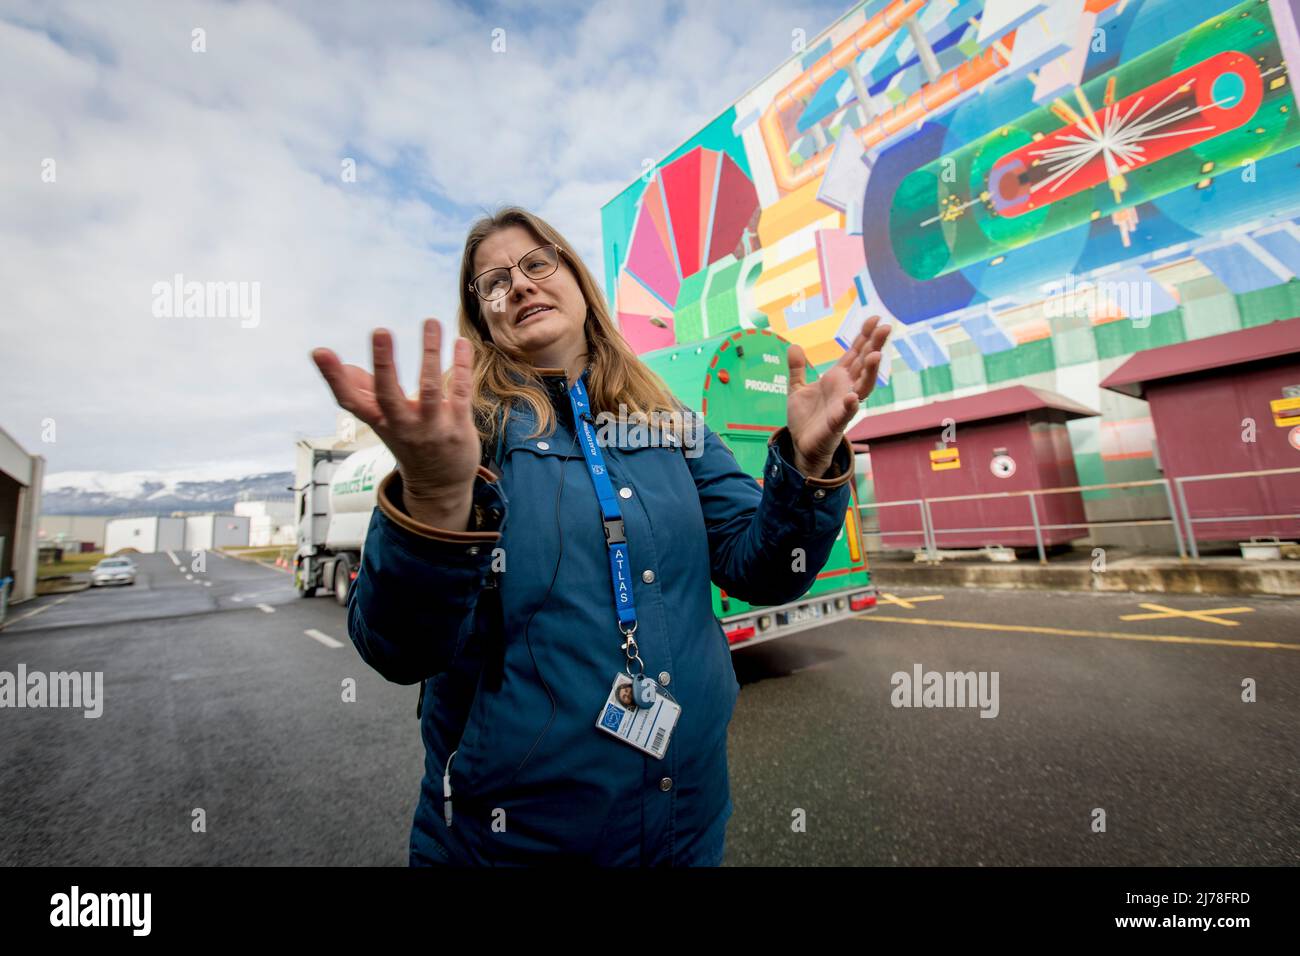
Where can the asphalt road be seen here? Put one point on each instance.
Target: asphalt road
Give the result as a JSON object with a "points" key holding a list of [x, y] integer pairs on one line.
{"points": [[217, 698], [1141, 724]]}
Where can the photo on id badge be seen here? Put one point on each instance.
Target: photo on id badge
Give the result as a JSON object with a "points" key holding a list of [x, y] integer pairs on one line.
{"points": [[648, 728]]}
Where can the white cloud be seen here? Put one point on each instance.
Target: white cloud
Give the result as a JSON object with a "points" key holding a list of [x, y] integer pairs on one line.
{"points": [[225, 166]]}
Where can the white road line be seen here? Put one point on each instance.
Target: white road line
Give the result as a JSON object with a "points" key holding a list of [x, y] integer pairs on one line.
{"points": [[172, 555], [34, 612], [252, 594], [267, 608], [325, 639]]}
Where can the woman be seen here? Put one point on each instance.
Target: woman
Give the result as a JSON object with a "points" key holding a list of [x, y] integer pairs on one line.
{"points": [[527, 598]]}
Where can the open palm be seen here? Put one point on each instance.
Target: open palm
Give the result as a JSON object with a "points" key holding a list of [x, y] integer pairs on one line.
{"points": [[818, 412], [432, 436]]}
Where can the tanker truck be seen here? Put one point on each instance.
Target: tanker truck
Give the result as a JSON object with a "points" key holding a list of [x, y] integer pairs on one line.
{"points": [[334, 508], [736, 382]]}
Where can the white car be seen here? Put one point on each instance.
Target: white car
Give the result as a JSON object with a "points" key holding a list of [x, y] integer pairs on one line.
{"points": [[113, 571]]}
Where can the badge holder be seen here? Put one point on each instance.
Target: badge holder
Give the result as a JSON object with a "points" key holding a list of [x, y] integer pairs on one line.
{"points": [[638, 710]]}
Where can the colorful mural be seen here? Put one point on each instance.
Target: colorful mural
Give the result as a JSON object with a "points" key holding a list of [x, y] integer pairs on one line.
{"points": [[1029, 190]]}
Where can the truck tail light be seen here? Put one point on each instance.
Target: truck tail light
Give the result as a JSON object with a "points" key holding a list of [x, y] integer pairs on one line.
{"points": [[860, 601]]}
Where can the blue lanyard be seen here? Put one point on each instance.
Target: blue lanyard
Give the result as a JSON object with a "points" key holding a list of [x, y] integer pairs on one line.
{"points": [[612, 515]]}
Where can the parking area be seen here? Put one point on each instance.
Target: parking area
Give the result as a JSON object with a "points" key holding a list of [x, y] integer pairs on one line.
{"points": [[226, 693], [1136, 707]]}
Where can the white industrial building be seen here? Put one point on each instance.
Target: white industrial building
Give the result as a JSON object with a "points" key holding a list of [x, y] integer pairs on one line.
{"points": [[69, 531], [190, 533], [270, 521], [206, 532], [146, 535], [21, 476]]}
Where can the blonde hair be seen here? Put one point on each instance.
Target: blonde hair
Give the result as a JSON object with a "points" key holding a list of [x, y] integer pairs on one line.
{"points": [[616, 375]]}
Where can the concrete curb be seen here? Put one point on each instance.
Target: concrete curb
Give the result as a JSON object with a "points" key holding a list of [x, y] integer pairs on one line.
{"points": [[66, 588], [266, 564], [1188, 578]]}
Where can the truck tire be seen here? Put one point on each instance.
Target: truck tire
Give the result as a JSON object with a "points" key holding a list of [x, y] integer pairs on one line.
{"points": [[342, 580]]}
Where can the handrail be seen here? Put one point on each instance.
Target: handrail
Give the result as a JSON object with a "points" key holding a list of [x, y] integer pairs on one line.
{"points": [[1054, 491], [1173, 489], [1240, 474], [1187, 514]]}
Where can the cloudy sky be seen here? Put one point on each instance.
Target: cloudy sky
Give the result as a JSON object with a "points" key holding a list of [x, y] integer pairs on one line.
{"points": [[129, 158]]}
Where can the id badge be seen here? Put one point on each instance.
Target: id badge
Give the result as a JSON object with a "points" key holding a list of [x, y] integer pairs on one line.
{"points": [[646, 728]]}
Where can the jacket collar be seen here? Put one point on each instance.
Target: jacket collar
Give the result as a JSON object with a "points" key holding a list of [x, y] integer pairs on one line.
{"points": [[546, 372], [556, 381]]}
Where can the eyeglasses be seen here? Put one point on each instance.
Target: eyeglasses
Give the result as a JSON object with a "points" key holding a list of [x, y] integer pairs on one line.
{"points": [[538, 264]]}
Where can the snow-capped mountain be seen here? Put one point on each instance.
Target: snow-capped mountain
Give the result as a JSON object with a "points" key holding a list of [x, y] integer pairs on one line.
{"points": [[157, 492]]}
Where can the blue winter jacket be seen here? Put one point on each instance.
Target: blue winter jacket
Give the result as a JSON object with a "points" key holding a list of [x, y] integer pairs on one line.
{"points": [[517, 674]]}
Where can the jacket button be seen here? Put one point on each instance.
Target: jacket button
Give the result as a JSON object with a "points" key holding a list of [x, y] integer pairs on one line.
{"points": [[775, 471], [625, 492], [665, 677], [543, 445], [666, 783], [648, 576], [819, 493], [472, 549]]}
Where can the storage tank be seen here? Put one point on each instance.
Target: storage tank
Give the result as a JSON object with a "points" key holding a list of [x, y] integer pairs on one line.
{"points": [[353, 489], [738, 383]]}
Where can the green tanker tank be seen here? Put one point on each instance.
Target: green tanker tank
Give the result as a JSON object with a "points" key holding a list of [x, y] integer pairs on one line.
{"points": [[738, 383]]}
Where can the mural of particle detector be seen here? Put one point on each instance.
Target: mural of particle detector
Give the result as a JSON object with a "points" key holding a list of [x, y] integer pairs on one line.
{"points": [[1028, 190]]}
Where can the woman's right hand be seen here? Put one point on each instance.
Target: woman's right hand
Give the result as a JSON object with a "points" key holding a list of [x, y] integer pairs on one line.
{"points": [[432, 437]]}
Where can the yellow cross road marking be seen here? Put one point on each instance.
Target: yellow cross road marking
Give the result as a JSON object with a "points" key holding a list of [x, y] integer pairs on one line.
{"points": [[1066, 632], [1206, 617], [909, 603]]}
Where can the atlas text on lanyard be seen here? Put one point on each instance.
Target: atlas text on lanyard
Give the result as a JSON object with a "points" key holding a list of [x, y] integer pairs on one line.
{"points": [[637, 710]]}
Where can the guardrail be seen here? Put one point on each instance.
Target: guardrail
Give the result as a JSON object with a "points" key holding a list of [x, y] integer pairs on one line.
{"points": [[1181, 522], [1182, 500]]}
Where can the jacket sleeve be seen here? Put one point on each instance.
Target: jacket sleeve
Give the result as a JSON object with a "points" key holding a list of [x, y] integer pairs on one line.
{"points": [[411, 608], [754, 531]]}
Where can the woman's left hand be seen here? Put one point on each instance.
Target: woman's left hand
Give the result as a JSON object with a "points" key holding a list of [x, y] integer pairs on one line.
{"points": [[818, 412]]}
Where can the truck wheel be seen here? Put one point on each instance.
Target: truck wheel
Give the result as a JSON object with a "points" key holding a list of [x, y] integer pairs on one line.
{"points": [[342, 581]]}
